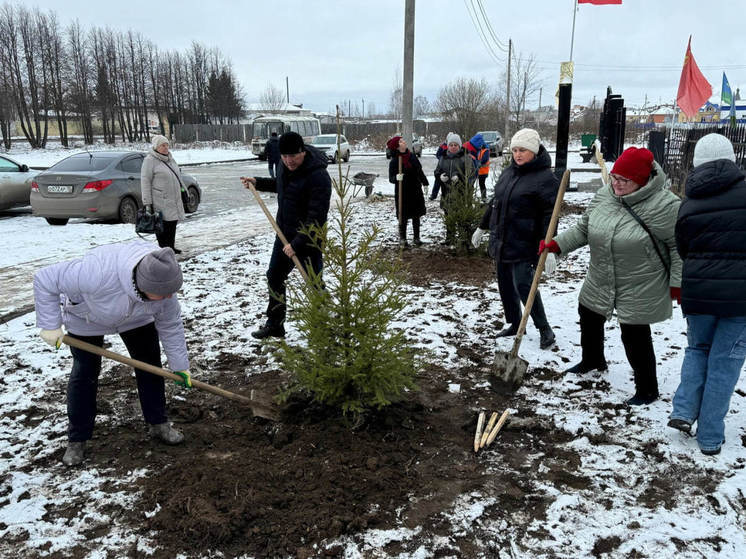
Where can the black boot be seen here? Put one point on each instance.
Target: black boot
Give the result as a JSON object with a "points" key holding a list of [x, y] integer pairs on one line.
{"points": [[274, 330], [511, 330], [682, 425], [641, 399], [583, 367], [546, 337]]}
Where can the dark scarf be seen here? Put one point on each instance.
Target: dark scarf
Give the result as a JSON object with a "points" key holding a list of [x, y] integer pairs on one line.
{"points": [[406, 161]]}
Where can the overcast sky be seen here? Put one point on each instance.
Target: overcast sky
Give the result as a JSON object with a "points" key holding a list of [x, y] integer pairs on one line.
{"points": [[335, 50]]}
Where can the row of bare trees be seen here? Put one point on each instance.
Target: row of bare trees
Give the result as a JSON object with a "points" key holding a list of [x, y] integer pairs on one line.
{"points": [[107, 82]]}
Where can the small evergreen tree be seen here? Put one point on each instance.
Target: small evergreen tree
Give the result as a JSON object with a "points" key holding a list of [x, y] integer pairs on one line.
{"points": [[462, 213], [350, 356]]}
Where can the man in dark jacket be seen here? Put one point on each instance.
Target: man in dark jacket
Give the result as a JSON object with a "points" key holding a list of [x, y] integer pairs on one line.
{"points": [[711, 240], [272, 151], [303, 189]]}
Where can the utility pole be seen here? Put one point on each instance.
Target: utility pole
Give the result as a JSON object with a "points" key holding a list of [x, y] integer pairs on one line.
{"points": [[287, 88], [408, 78], [363, 108], [507, 95]]}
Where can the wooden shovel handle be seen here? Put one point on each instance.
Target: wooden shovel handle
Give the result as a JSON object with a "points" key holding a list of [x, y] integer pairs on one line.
{"points": [[540, 265], [265, 410], [277, 229]]}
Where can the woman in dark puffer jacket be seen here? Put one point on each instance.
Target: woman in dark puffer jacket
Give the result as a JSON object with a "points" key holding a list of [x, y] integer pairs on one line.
{"points": [[711, 239]]}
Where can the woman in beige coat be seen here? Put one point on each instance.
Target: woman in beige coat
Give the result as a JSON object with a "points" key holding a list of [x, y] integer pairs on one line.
{"points": [[161, 184]]}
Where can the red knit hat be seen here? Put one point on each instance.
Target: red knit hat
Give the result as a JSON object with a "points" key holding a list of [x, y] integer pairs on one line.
{"points": [[634, 164], [393, 143]]}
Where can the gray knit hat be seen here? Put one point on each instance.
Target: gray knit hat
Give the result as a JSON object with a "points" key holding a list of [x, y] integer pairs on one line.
{"points": [[158, 140], [159, 273], [453, 138], [712, 147]]}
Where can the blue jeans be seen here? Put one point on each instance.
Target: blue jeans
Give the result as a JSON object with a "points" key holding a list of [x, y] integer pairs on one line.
{"points": [[712, 364]]}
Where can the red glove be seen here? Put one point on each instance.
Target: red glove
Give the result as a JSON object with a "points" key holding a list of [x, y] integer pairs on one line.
{"points": [[676, 294], [551, 246]]}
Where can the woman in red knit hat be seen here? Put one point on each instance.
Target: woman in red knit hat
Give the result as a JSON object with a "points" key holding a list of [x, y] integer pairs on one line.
{"points": [[634, 270], [413, 179]]}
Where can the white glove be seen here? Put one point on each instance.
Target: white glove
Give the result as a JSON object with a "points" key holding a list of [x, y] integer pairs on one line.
{"points": [[455, 178], [476, 238], [550, 266], [53, 337], [444, 177], [400, 177]]}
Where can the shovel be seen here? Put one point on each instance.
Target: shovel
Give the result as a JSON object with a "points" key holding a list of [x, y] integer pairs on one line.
{"points": [[260, 404], [277, 229], [508, 369]]}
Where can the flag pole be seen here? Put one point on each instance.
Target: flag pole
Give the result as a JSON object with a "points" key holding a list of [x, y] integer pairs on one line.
{"points": [[572, 37]]}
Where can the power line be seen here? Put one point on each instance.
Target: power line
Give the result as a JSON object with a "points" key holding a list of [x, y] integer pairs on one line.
{"points": [[482, 37], [498, 42]]}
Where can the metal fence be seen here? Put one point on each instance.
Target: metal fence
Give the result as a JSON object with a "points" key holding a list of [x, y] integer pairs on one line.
{"points": [[185, 133], [680, 141]]}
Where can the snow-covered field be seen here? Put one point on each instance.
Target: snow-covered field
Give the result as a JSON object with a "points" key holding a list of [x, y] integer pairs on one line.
{"points": [[32, 429]]}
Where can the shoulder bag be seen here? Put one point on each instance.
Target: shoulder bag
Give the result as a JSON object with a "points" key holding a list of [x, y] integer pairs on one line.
{"points": [[184, 193], [647, 230]]}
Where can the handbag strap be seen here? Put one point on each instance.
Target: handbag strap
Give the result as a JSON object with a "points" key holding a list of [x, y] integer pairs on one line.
{"points": [[647, 230], [178, 178]]}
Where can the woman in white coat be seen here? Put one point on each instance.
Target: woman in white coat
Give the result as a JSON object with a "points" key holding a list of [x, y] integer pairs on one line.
{"points": [[161, 184]]}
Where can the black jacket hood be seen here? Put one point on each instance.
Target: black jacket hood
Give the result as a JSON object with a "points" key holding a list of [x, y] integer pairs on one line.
{"points": [[712, 178]]}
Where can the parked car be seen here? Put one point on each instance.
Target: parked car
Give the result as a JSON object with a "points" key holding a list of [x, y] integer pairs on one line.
{"points": [[328, 144], [15, 183], [97, 184], [495, 142], [416, 146]]}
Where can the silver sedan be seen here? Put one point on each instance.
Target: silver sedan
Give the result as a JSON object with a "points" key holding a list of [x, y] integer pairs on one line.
{"points": [[15, 183], [97, 184]]}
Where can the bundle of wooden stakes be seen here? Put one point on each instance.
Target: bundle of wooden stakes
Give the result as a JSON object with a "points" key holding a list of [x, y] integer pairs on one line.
{"points": [[485, 438]]}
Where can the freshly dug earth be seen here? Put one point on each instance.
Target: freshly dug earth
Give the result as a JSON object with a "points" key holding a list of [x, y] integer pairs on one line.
{"points": [[246, 486]]}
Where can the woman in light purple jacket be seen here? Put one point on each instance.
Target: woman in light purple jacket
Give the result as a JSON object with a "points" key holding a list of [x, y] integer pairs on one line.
{"points": [[126, 289]]}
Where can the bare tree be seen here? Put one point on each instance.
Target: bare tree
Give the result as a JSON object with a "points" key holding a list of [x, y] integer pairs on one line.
{"points": [[81, 90], [465, 104], [272, 98], [525, 81], [55, 68], [421, 106], [395, 98]]}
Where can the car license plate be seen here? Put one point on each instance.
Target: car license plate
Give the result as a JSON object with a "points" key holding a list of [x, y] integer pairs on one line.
{"points": [[60, 188]]}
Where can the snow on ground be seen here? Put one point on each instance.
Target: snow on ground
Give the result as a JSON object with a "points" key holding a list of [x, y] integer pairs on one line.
{"points": [[195, 154], [31, 481]]}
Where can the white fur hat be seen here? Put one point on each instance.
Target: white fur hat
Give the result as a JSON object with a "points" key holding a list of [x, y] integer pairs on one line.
{"points": [[712, 147], [526, 138]]}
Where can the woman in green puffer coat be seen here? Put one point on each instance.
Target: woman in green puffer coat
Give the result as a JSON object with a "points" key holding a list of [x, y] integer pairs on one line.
{"points": [[629, 271]]}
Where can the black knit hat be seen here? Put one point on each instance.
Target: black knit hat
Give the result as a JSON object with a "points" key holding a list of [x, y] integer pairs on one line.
{"points": [[291, 143]]}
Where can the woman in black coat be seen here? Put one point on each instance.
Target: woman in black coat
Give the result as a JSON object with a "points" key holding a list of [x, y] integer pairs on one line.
{"points": [[517, 219], [413, 179]]}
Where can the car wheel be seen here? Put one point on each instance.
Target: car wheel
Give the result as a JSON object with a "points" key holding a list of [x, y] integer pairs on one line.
{"points": [[194, 200], [127, 210], [57, 220], [347, 156]]}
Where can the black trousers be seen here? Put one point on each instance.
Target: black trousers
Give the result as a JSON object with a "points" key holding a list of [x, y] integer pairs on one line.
{"points": [[279, 269], [514, 283], [142, 344], [168, 237], [483, 186], [415, 228], [638, 345]]}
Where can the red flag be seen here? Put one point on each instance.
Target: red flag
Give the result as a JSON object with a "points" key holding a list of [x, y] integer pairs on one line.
{"points": [[599, 2], [694, 89]]}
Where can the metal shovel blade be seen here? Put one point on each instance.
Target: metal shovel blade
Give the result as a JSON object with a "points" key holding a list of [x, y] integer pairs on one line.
{"points": [[507, 371]]}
